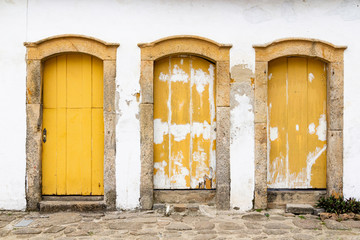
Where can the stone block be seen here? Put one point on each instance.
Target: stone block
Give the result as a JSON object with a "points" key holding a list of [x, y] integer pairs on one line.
{"points": [[146, 81], [260, 166], [223, 146], [223, 95], [33, 154], [299, 208], [260, 92], [223, 196], [146, 142], [335, 114], [109, 85], [334, 168], [33, 82], [222, 73]]}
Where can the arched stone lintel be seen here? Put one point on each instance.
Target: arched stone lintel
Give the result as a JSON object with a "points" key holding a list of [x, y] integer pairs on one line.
{"points": [[48, 47], [185, 44], [299, 47]]}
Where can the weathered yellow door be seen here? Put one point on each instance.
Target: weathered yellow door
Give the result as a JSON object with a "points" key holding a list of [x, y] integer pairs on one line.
{"points": [[184, 123], [297, 123], [73, 149]]}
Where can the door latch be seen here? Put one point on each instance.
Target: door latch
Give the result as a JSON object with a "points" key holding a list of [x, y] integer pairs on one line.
{"points": [[44, 135]]}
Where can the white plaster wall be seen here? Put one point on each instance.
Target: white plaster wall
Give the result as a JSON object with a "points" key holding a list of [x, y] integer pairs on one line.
{"points": [[239, 22], [12, 105]]}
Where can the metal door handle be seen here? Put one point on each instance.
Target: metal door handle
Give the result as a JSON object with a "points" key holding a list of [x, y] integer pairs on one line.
{"points": [[44, 135]]}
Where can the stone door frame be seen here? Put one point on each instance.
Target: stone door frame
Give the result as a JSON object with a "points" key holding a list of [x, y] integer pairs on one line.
{"points": [[36, 54], [333, 56], [219, 55]]}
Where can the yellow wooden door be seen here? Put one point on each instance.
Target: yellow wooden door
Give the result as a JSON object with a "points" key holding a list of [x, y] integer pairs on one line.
{"points": [[73, 151], [297, 123], [184, 123]]}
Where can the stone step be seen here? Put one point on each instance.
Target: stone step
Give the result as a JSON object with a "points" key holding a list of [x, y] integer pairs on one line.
{"points": [[299, 208], [72, 198], [279, 198], [73, 206]]}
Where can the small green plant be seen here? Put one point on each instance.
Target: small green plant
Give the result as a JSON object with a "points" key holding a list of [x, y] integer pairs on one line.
{"points": [[258, 210], [90, 233], [339, 205], [302, 217], [267, 215]]}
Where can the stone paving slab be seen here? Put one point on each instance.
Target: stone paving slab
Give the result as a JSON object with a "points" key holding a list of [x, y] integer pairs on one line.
{"points": [[151, 225]]}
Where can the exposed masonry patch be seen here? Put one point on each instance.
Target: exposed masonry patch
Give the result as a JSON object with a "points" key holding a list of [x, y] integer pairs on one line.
{"points": [[241, 73]]}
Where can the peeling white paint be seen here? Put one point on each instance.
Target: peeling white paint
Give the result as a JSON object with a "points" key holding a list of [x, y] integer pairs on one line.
{"points": [[179, 131], [321, 129], [241, 150], [160, 129], [311, 77], [312, 128], [200, 79], [201, 169], [163, 77], [273, 133], [178, 75], [270, 75], [310, 161], [203, 129], [161, 180], [178, 171], [297, 127]]}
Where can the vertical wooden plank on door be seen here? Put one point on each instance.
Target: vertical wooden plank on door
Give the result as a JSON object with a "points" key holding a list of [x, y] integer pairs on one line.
{"points": [[49, 152], [97, 168], [74, 124], [316, 135], [86, 89], [277, 114], [201, 101], [161, 126], [97, 152], [180, 119], [61, 125], [49, 123], [297, 120]]}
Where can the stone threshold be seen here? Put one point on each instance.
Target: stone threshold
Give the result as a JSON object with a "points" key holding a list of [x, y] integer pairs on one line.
{"points": [[173, 196], [72, 204], [278, 198]]}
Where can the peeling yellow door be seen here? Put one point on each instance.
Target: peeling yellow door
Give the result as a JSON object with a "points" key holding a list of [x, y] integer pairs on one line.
{"points": [[73, 153], [184, 123], [297, 123]]}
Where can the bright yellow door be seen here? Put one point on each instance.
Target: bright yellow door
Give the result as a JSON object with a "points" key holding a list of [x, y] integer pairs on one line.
{"points": [[73, 152], [184, 123], [297, 123]]}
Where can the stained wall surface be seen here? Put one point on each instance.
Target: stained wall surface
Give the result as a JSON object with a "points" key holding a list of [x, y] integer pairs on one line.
{"points": [[240, 23]]}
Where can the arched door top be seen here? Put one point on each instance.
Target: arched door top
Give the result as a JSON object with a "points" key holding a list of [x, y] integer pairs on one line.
{"points": [[185, 44], [47, 47], [299, 47]]}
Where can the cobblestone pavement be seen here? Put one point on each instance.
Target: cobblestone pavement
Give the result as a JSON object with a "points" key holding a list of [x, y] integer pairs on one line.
{"points": [[204, 224]]}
